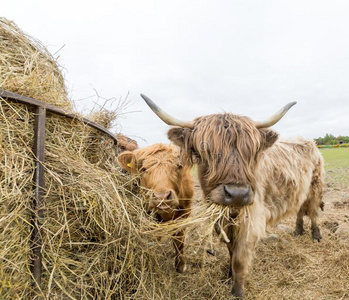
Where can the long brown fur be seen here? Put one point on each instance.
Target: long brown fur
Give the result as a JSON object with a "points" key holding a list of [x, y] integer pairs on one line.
{"points": [[159, 169], [125, 143]]}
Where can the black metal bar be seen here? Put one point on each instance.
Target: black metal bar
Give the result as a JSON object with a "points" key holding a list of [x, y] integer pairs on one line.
{"points": [[54, 109], [39, 183]]}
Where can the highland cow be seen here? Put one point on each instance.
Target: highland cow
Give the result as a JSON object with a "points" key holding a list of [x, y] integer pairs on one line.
{"points": [[125, 143], [166, 184], [243, 166]]}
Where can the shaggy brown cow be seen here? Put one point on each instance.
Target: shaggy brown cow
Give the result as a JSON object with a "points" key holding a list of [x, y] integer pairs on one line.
{"points": [[167, 185], [242, 165], [125, 143]]}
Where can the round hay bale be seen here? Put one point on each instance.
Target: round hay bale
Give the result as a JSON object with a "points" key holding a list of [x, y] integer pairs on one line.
{"points": [[28, 68]]}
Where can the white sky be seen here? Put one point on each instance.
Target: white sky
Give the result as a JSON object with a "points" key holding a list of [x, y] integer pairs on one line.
{"points": [[195, 58]]}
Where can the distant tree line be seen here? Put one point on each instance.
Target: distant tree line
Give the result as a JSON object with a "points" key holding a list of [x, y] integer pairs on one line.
{"points": [[330, 139]]}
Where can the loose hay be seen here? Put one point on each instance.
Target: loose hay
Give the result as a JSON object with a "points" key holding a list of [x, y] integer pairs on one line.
{"points": [[27, 68], [98, 242]]}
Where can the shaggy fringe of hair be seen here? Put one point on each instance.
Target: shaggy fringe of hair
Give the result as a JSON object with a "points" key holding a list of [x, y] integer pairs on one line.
{"points": [[213, 138]]}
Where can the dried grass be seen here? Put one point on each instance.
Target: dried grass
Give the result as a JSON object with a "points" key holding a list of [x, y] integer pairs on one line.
{"points": [[27, 68], [98, 242]]}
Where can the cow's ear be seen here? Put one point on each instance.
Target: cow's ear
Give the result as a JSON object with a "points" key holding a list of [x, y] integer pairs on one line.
{"points": [[127, 161], [269, 137], [179, 136]]}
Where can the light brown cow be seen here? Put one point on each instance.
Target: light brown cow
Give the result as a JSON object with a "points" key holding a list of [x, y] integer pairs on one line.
{"points": [[125, 143], [166, 183], [241, 165]]}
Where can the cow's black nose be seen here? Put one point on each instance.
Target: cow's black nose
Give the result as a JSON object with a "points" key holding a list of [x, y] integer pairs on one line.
{"points": [[237, 195], [163, 196]]}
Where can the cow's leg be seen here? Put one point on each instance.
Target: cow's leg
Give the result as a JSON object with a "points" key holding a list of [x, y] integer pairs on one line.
{"points": [[178, 243], [238, 271], [311, 208], [313, 213], [314, 199], [299, 222], [315, 230], [240, 257]]}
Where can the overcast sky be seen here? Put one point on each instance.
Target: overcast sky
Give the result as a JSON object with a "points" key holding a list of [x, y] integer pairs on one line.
{"points": [[194, 58]]}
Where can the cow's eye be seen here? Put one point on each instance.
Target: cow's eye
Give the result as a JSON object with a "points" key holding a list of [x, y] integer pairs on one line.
{"points": [[143, 169], [196, 154], [196, 157]]}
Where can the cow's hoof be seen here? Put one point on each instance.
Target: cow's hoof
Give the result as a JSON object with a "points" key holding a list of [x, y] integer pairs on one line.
{"points": [[238, 297], [316, 235], [237, 293], [181, 268], [211, 251], [298, 231]]}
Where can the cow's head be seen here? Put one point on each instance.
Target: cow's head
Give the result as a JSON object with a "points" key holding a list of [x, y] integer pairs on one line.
{"points": [[159, 169], [125, 143], [226, 148]]}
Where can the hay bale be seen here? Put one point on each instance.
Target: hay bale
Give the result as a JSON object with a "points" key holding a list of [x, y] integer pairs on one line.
{"points": [[83, 211], [28, 68], [97, 240], [16, 171]]}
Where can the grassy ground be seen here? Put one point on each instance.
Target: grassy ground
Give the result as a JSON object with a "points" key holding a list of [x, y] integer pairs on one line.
{"points": [[337, 166], [336, 158]]}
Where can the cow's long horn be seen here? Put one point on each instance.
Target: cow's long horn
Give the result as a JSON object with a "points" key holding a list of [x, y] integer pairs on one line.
{"points": [[275, 118], [165, 116]]}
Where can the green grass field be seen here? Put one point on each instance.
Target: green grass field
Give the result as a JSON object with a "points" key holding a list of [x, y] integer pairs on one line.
{"points": [[336, 166], [336, 158]]}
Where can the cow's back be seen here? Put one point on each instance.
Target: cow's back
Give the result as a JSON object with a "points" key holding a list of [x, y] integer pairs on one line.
{"points": [[286, 173]]}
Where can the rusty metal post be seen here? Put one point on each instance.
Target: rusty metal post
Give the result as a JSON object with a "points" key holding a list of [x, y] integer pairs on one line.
{"points": [[39, 151]]}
